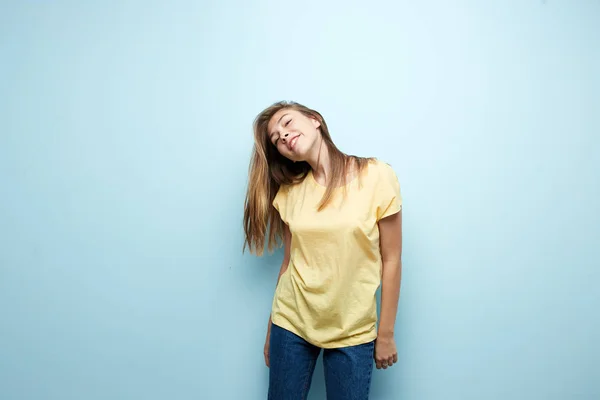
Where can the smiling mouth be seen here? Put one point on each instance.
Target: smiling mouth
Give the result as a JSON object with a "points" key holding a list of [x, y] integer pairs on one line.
{"points": [[293, 142]]}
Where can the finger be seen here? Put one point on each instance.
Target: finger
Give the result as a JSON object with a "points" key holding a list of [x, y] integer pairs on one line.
{"points": [[378, 364], [396, 358], [267, 359], [383, 363], [391, 361]]}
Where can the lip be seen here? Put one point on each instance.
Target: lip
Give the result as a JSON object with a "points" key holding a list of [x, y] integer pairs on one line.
{"points": [[292, 142]]}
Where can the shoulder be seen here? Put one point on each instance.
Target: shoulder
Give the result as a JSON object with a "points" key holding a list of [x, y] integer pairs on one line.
{"points": [[289, 188], [379, 170], [286, 190], [281, 194], [283, 189]]}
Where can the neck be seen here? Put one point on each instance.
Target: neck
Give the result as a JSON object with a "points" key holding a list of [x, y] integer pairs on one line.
{"points": [[319, 161]]}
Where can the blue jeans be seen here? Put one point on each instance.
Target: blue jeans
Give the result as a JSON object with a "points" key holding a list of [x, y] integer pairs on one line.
{"points": [[292, 362]]}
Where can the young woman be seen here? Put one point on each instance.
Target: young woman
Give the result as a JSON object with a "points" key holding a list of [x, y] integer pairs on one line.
{"points": [[340, 221]]}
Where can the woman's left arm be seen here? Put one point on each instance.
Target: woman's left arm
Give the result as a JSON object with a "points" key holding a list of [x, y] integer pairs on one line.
{"points": [[390, 233]]}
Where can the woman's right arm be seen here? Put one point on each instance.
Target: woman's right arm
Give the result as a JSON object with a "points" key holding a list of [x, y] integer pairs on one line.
{"points": [[287, 240]]}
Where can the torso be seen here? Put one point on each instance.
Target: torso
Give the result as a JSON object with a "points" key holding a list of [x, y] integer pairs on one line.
{"points": [[327, 294]]}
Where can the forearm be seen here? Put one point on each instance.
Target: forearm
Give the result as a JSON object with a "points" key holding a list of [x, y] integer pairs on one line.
{"points": [[390, 295]]}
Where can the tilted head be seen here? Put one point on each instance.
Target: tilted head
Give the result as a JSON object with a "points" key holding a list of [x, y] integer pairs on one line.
{"points": [[286, 135]]}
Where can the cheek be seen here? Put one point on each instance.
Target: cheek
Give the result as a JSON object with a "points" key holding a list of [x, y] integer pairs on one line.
{"points": [[310, 133], [282, 149]]}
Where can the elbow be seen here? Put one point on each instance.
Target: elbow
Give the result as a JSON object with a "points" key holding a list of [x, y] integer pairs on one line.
{"points": [[391, 268], [395, 262]]}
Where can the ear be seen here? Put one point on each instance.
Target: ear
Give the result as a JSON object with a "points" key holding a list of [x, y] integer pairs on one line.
{"points": [[315, 122]]}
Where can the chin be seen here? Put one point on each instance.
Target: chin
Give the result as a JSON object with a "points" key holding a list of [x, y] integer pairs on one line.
{"points": [[298, 158]]}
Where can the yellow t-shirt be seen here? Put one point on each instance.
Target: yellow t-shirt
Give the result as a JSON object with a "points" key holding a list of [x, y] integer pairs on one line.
{"points": [[327, 293]]}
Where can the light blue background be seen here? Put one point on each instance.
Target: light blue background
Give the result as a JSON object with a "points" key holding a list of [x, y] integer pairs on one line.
{"points": [[125, 135]]}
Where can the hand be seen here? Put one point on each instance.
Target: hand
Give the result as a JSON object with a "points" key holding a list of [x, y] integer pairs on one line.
{"points": [[386, 354], [266, 349]]}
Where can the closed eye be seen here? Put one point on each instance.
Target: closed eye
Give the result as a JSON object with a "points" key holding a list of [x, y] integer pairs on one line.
{"points": [[285, 124]]}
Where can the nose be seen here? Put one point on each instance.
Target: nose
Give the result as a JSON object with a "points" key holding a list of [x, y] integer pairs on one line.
{"points": [[285, 135]]}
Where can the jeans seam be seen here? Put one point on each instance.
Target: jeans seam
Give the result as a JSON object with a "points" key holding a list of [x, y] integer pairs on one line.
{"points": [[370, 374], [307, 381]]}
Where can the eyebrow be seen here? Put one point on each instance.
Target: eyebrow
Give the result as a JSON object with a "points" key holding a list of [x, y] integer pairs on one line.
{"points": [[280, 118]]}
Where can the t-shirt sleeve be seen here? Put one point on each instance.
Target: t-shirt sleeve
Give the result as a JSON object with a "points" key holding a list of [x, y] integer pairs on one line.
{"points": [[388, 199], [280, 200]]}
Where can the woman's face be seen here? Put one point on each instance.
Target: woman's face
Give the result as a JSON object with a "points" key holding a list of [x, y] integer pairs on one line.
{"points": [[293, 134]]}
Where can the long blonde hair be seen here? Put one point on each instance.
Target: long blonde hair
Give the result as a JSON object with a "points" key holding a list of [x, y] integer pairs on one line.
{"points": [[269, 170]]}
